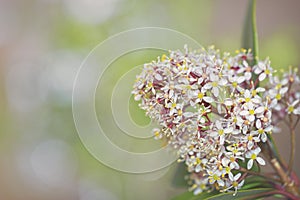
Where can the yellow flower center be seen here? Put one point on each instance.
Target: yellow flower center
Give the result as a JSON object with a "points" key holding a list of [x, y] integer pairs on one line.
{"points": [[200, 95], [179, 112], [247, 99], [228, 170], [215, 177], [278, 86], [235, 184], [250, 137], [260, 131], [234, 84], [253, 156], [220, 168], [291, 109], [203, 186], [251, 112], [214, 84], [232, 159], [163, 57], [156, 133], [278, 96], [221, 132], [235, 120]]}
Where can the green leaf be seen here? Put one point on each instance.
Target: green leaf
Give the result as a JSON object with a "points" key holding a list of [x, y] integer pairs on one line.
{"points": [[191, 196], [247, 31], [253, 182], [179, 177], [184, 196], [224, 196], [240, 195], [250, 38]]}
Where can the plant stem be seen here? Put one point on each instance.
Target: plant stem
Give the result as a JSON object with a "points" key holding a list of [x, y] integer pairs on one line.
{"points": [[293, 148], [297, 121], [254, 33], [289, 184]]}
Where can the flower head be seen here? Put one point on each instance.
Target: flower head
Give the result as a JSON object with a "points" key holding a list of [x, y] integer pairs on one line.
{"points": [[209, 109]]}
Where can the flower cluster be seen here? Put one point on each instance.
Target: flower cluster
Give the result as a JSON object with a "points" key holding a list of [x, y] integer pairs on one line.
{"points": [[211, 108], [284, 95]]}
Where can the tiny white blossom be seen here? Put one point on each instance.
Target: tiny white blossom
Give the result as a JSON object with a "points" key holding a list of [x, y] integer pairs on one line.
{"points": [[252, 155], [291, 108], [235, 183], [215, 84]]}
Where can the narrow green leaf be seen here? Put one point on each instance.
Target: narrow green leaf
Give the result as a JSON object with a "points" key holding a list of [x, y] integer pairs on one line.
{"points": [[184, 196], [240, 195], [191, 196], [179, 176], [253, 182], [250, 37], [223, 196], [247, 31]]}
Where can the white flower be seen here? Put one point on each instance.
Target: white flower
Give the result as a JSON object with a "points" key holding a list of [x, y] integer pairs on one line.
{"points": [[247, 70], [251, 139], [173, 105], [221, 132], [262, 131], [263, 69], [249, 98], [215, 84], [157, 134], [277, 94], [230, 161], [291, 108], [251, 111], [253, 157], [235, 82], [199, 95], [200, 184], [235, 184], [215, 177]]}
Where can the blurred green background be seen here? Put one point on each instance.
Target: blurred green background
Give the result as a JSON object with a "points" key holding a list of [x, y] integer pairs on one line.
{"points": [[42, 44]]}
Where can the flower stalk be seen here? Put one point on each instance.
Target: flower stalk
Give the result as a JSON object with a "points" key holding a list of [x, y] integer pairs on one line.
{"points": [[254, 33], [293, 145]]}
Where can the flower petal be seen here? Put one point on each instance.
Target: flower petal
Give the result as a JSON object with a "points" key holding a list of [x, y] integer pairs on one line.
{"points": [[208, 99], [260, 161], [262, 76], [250, 164]]}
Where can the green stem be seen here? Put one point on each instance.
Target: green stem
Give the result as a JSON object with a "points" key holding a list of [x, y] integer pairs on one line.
{"points": [[254, 33]]}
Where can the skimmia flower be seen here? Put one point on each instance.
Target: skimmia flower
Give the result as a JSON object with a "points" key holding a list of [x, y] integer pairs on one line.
{"points": [[208, 108], [253, 156], [292, 108], [236, 184]]}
